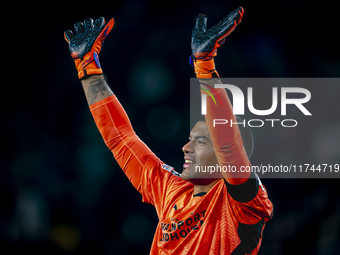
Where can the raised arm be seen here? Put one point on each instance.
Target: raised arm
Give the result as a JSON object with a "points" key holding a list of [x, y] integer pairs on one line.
{"points": [[148, 174], [227, 140], [248, 196]]}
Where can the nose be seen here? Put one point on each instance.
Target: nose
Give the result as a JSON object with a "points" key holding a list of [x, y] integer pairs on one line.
{"points": [[186, 148]]}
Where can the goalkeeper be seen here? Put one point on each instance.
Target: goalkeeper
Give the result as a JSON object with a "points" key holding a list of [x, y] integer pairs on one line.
{"points": [[225, 214]]}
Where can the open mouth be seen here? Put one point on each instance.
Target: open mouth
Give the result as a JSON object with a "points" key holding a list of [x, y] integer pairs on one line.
{"points": [[188, 163]]}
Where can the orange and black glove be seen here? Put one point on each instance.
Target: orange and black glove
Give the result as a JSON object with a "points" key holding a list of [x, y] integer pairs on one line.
{"points": [[204, 43], [86, 43]]}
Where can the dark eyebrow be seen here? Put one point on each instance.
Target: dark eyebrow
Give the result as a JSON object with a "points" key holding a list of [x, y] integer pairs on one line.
{"points": [[200, 136]]}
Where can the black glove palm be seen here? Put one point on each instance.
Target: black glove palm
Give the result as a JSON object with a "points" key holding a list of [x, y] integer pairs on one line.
{"points": [[204, 43], [84, 36], [86, 43]]}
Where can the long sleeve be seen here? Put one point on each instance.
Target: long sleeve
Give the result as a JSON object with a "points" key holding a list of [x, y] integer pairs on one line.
{"points": [[248, 196], [147, 173], [116, 130], [227, 139]]}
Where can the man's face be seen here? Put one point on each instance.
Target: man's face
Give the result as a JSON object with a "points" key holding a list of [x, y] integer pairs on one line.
{"points": [[199, 152]]}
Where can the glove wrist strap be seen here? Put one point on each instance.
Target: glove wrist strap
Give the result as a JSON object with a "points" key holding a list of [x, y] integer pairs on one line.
{"points": [[88, 65], [205, 69]]}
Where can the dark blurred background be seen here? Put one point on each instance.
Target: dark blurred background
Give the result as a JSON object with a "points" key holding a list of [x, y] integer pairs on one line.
{"points": [[61, 190]]}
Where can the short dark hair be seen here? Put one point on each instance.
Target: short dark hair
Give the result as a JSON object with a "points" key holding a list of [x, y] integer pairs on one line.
{"points": [[246, 134]]}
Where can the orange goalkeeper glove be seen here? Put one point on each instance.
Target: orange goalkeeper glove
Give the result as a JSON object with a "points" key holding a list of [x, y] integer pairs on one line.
{"points": [[204, 43], [86, 43]]}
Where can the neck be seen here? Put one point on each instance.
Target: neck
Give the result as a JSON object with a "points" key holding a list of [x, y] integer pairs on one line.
{"points": [[198, 188]]}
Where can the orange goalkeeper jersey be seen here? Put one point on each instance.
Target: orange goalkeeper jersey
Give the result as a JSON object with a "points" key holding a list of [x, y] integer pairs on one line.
{"points": [[229, 219]]}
